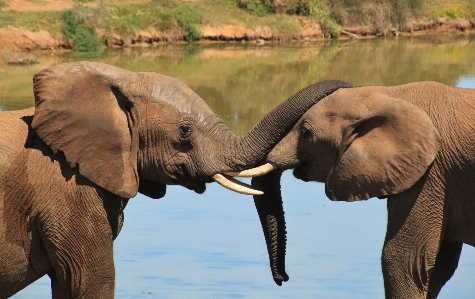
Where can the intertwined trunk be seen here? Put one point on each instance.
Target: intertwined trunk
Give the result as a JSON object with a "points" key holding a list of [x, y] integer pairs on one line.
{"points": [[260, 140], [241, 152]]}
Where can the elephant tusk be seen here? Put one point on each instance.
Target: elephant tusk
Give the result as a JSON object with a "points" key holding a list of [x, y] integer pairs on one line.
{"points": [[235, 185], [253, 172]]}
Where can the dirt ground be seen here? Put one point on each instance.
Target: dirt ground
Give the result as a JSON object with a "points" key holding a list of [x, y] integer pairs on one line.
{"points": [[43, 5]]}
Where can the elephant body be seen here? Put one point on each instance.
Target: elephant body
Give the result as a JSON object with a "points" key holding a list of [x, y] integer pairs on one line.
{"points": [[415, 145], [96, 136], [37, 236]]}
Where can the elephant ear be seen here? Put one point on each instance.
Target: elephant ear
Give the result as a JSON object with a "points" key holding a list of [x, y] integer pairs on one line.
{"points": [[385, 151], [86, 111]]}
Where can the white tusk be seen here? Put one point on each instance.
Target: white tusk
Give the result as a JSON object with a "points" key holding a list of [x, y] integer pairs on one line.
{"points": [[235, 185], [253, 172]]}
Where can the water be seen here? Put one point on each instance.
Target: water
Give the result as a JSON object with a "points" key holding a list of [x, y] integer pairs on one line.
{"points": [[211, 246]]}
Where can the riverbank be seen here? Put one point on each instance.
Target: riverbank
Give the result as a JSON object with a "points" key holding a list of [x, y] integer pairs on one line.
{"points": [[36, 24]]}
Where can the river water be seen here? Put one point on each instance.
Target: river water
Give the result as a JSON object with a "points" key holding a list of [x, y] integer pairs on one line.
{"points": [[211, 246]]}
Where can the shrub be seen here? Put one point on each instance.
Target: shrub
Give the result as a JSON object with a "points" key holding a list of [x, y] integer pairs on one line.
{"points": [[330, 27], [454, 11], [78, 25], [379, 16], [256, 7], [187, 16], [403, 9], [313, 8]]}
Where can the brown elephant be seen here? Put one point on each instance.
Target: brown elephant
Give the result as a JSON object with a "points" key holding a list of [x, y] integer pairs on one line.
{"points": [[97, 136], [415, 145]]}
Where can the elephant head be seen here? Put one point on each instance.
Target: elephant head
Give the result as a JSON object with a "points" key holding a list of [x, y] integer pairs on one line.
{"points": [[132, 132], [361, 142]]}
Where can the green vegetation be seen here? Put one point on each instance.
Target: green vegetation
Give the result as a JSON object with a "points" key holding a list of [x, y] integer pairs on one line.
{"points": [[127, 19], [173, 20], [78, 25], [256, 7], [454, 11], [187, 17]]}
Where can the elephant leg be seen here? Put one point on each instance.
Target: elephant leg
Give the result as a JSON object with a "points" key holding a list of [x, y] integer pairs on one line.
{"points": [[415, 224], [80, 249], [445, 265], [18, 270], [85, 271]]}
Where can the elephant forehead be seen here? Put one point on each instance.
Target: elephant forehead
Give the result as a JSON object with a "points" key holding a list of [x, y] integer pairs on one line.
{"points": [[332, 114], [346, 105], [174, 95]]}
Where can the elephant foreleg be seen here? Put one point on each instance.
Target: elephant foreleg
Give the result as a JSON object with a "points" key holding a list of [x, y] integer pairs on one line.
{"points": [[445, 265], [81, 253], [412, 242]]}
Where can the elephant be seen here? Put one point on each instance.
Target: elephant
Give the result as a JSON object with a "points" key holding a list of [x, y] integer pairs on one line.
{"points": [[97, 135], [413, 144]]}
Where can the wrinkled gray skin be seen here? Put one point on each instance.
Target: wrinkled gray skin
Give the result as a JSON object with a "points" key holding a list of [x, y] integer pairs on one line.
{"points": [[415, 145], [97, 136]]}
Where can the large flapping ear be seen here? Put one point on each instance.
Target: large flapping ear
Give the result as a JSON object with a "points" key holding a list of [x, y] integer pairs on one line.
{"points": [[86, 111], [385, 152]]}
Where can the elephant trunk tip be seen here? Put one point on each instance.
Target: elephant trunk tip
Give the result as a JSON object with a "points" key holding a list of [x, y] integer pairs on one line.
{"points": [[279, 278]]}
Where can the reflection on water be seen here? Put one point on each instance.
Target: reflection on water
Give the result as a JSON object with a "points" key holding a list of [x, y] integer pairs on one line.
{"points": [[243, 82], [211, 246]]}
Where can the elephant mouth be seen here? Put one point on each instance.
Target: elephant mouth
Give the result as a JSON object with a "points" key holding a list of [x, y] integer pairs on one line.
{"points": [[301, 171], [225, 179], [197, 186], [187, 181]]}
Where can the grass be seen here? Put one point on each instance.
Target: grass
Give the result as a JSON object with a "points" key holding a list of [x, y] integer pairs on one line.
{"points": [[127, 18], [225, 12], [188, 17], [34, 21]]}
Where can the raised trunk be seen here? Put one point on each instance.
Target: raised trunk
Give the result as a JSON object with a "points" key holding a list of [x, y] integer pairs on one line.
{"points": [[271, 214], [241, 152]]}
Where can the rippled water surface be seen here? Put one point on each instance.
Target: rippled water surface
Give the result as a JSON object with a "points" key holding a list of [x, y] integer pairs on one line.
{"points": [[211, 246]]}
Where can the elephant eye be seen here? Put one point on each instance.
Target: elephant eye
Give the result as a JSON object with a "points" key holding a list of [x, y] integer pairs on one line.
{"points": [[185, 131], [305, 133]]}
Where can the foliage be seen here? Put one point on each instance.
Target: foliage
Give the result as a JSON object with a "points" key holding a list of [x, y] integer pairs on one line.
{"points": [[330, 27], [3, 4], [125, 20], [314, 8], [128, 18], [379, 16], [256, 7], [187, 16], [78, 25], [403, 9], [454, 11]]}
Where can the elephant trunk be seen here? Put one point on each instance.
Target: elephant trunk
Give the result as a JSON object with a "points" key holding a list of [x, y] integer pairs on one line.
{"points": [[244, 151], [271, 214]]}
